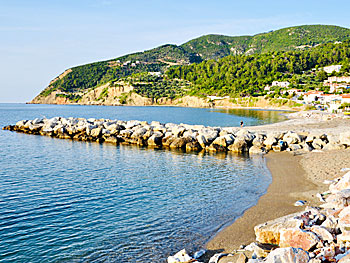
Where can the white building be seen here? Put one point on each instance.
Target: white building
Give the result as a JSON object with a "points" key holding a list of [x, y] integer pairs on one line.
{"points": [[282, 84], [345, 98], [332, 68], [155, 73], [328, 98], [312, 96]]}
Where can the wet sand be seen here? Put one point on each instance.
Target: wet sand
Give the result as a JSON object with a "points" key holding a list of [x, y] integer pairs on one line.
{"points": [[289, 184]]}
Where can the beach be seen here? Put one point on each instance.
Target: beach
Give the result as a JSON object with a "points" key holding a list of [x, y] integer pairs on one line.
{"points": [[295, 176]]}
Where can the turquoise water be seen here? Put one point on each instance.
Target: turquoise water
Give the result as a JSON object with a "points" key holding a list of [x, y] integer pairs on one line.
{"points": [[68, 201]]}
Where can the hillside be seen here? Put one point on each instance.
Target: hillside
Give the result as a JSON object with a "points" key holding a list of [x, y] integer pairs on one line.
{"points": [[291, 38], [76, 82]]}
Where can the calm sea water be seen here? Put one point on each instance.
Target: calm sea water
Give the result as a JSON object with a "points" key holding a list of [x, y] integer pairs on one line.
{"points": [[67, 201]]}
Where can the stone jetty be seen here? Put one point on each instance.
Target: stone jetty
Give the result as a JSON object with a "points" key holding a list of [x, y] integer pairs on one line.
{"points": [[181, 136]]}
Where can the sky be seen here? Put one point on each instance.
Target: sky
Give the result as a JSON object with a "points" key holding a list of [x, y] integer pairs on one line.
{"points": [[39, 39]]}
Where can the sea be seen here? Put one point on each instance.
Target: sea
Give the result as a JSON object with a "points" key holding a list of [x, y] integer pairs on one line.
{"points": [[71, 201]]}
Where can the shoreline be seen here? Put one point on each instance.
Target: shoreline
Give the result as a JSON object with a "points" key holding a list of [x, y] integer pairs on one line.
{"points": [[287, 186], [219, 107], [294, 177]]}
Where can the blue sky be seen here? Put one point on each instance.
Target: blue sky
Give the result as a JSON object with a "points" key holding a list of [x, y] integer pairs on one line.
{"points": [[40, 39]]}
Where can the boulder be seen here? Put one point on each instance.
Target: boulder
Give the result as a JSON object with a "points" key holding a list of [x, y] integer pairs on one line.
{"points": [[337, 200], [246, 135], [131, 124], [179, 143], [220, 141], [236, 258], [193, 146], [270, 141], [190, 133], [294, 147], [155, 139], [306, 147], [258, 141], [276, 148], [287, 255], [342, 184], [298, 238], [229, 139], [167, 141], [322, 233], [126, 133], [181, 256], [257, 249], [318, 144], [240, 145], [209, 134], [216, 148], [147, 135], [291, 138], [178, 131], [202, 141], [310, 138], [269, 232], [330, 224], [256, 150]]}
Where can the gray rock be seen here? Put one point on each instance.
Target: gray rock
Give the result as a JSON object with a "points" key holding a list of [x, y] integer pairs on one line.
{"points": [[240, 145], [258, 141], [318, 144], [291, 138], [288, 255], [96, 132], [257, 150], [294, 147], [270, 141], [155, 140]]}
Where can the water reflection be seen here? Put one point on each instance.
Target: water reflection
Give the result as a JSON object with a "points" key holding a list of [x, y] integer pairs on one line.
{"points": [[249, 116]]}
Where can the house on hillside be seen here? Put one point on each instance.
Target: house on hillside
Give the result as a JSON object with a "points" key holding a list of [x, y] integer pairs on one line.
{"points": [[334, 106], [297, 92], [330, 69], [282, 84], [337, 84], [328, 98], [345, 98], [312, 96]]}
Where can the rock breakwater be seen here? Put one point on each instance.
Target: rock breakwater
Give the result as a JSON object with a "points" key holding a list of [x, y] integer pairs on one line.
{"points": [[181, 136]]}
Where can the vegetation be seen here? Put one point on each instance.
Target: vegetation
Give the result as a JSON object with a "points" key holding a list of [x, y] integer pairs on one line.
{"points": [[248, 75], [245, 64], [70, 96], [153, 86], [298, 37]]}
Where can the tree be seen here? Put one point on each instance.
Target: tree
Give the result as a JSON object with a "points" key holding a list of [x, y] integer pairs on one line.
{"points": [[322, 75]]}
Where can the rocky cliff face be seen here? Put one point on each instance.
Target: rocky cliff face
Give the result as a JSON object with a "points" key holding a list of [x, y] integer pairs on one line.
{"points": [[121, 94]]}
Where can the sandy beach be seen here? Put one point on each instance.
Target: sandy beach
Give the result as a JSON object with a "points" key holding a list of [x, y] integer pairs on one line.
{"points": [[294, 177]]}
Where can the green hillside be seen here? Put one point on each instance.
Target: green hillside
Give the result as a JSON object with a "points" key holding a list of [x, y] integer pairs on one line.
{"points": [[200, 49], [243, 75], [291, 38]]}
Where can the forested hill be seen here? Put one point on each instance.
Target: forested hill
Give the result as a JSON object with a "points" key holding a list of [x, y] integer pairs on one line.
{"points": [[81, 78], [249, 74], [291, 38]]}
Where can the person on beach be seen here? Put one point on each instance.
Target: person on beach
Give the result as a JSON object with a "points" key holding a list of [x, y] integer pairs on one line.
{"points": [[242, 124]]}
